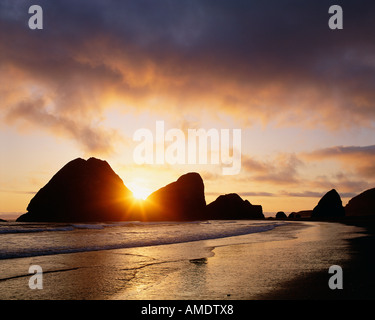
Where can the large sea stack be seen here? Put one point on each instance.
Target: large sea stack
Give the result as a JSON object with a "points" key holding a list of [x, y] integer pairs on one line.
{"points": [[90, 191], [180, 200], [329, 206], [362, 204], [232, 206], [83, 190]]}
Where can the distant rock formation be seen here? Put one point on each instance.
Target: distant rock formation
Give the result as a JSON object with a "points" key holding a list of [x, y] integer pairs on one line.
{"points": [[329, 206], [180, 200], [80, 191], [362, 204], [2, 220], [281, 215], [294, 215], [304, 214], [232, 206]]}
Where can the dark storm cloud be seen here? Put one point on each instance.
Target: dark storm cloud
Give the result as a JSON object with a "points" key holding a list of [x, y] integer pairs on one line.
{"points": [[258, 60], [273, 33]]}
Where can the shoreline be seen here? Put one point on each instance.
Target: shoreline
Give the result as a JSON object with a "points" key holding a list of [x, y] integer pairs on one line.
{"points": [[245, 262], [358, 271], [287, 263]]}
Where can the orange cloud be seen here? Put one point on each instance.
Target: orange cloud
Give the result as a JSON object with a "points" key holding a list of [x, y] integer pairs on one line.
{"points": [[280, 170], [360, 159], [181, 59]]}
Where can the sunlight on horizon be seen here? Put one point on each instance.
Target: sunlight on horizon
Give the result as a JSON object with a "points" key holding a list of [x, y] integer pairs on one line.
{"points": [[139, 192]]}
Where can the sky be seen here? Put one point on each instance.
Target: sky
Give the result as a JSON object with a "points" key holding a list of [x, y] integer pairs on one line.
{"points": [[302, 95]]}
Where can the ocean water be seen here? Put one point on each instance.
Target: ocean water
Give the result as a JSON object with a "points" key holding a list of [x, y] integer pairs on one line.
{"points": [[243, 259], [18, 240]]}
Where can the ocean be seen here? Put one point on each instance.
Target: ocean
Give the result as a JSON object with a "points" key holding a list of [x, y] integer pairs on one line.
{"points": [[240, 259], [19, 240]]}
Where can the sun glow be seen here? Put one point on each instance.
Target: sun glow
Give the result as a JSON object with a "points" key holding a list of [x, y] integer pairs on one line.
{"points": [[139, 192]]}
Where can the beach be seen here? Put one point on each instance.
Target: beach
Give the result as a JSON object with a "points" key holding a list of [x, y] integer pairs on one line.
{"points": [[290, 261]]}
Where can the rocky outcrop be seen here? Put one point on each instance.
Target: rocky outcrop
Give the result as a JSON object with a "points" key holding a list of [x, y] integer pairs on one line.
{"points": [[83, 190], [329, 206], [294, 215], [303, 214], [90, 191], [232, 206], [362, 204], [180, 200], [280, 215]]}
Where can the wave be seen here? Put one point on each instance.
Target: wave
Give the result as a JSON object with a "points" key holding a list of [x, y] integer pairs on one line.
{"points": [[35, 230], [8, 228], [88, 226], [168, 234]]}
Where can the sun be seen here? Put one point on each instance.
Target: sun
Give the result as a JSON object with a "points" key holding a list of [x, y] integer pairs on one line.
{"points": [[139, 192]]}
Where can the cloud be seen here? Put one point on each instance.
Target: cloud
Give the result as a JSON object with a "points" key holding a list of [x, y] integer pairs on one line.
{"points": [[302, 174], [92, 138], [303, 194], [279, 170], [268, 62], [256, 194], [360, 159], [345, 183], [314, 194], [18, 192], [345, 151]]}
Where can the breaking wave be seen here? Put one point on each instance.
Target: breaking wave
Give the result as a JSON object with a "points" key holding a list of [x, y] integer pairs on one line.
{"points": [[19, 240]]}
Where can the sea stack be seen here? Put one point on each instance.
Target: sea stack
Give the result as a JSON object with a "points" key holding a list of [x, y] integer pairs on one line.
{"points": [[280, 215], [232, 206], [329, 206], [180, 200], [362, 204], [83, 190]]}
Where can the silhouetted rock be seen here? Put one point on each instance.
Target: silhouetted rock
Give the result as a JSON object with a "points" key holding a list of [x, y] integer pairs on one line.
{"points": [[89, 191], [362, 204], [305, 214], [232, 206], [81, 191], [180, 200], [294, 215], [2, 220], [281, 215], [329, 206]]}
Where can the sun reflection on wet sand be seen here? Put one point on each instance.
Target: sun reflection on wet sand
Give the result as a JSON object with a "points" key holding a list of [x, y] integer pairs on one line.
{"points": [[241, 267]]}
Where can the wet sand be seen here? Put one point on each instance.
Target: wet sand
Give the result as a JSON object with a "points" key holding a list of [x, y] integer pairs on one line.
{"points": [[358, 272], [289, 262]]}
